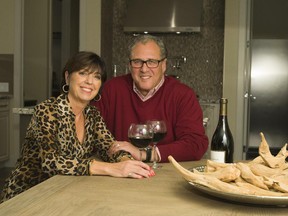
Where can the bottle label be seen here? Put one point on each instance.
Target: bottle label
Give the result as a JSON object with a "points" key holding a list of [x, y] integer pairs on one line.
{"points": [[218, 156]]}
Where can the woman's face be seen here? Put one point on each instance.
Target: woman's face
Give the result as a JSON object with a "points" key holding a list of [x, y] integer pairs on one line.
{"points": [[84, 85]]}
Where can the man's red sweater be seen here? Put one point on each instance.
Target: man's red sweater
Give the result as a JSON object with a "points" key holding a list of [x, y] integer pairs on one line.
{"points": [[174, 102]]}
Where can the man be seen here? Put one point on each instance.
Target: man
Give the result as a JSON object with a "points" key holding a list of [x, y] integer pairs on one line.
{"points": [[145, 94]]}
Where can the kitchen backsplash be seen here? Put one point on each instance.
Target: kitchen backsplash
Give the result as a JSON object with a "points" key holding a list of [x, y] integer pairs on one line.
{"points": [[203, 70]]}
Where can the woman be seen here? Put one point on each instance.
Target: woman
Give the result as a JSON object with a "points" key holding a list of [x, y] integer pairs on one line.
{"points": [[65, 133]]}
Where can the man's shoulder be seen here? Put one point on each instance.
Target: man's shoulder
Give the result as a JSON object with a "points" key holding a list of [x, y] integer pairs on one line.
{"points": [[173, 83], [180, 92]]}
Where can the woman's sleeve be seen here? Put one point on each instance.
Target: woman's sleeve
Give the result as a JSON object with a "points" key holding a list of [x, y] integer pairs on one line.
{"points": [[104, 141]]}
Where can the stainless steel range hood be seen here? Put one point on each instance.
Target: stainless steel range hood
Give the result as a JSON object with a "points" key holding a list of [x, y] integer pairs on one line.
{"points": [[163, 16]]}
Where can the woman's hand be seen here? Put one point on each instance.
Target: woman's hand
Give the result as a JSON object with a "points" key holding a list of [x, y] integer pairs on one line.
{"points": [[129, 168], [128, 147]]}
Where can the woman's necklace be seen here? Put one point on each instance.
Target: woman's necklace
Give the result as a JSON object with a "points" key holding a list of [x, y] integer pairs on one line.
{"points": [[79, 120], [80, 128], [79, 113], [76, 106]]}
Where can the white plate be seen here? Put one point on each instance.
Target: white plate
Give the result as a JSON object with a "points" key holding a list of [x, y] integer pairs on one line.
{"points": [[248, 199]]}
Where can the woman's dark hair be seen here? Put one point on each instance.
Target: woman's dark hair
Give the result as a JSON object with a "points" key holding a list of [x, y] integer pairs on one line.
{"points": [[85, 60]]}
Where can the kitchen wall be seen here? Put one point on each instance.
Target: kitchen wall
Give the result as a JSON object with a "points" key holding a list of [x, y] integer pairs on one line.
{"points": [[204, 51], [7, 27]]}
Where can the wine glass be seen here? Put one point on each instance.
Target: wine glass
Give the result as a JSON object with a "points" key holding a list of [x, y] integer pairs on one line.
{"points": [[140, 135], [160, 131]]}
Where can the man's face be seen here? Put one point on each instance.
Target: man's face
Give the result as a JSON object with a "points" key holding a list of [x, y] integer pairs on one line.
{"points": [[144, 77]]}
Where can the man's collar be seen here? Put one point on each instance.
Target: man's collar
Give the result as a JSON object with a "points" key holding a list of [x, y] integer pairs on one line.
{"points": [[151, 92]]}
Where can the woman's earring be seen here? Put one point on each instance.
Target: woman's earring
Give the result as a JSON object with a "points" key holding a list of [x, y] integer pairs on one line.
{"points": [[65, 88], [97, 98]]}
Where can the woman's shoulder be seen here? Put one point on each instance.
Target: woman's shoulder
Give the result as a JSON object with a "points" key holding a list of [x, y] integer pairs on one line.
{"points": [[46, 103], [52, 103]]}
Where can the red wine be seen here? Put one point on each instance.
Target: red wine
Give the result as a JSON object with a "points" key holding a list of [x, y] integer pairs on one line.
{"points": [[140, 142], [159, 136], [222, 144]]}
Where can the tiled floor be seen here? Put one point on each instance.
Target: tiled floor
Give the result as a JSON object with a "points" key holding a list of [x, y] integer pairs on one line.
{"points": [[4, 173]]}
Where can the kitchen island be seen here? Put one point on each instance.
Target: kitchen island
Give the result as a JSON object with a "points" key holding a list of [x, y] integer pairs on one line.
{"points": [[25, 117], [167, 193]]}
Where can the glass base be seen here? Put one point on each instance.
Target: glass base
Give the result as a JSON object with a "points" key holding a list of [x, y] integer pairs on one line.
{"points": [[156, 165]]}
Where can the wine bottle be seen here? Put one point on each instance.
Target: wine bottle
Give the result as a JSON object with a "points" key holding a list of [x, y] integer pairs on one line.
{"points": [[222, 144]]}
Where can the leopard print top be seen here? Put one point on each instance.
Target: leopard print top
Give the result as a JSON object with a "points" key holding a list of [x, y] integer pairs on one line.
{"points": [[51, 146]]}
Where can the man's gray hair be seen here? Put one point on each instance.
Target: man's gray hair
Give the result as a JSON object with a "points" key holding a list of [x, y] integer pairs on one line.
{"points": [[146, 38]]}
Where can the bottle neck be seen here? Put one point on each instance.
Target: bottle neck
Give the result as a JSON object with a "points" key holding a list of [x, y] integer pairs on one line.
{"points": [[223, 120], [223, 107]]}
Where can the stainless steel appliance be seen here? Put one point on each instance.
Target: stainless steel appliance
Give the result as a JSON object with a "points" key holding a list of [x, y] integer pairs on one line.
{"points": [[164, 16], [268, 96]]}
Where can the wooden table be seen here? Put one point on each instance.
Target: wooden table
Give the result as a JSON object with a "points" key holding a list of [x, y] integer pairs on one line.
{"points": [[167, 193]]}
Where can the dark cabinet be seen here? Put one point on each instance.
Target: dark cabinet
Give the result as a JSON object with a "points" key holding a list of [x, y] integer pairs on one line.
{"points": [[4, 129]]}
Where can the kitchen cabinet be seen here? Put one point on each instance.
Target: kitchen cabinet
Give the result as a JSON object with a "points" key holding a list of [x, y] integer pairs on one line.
{"points": [[25, 118], [4, 129]]}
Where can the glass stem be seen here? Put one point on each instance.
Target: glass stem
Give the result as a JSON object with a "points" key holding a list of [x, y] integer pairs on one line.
{"points": [[155, 156]]}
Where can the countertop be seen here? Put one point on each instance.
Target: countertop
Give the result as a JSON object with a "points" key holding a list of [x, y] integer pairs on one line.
{"points": [[23, 111], [167, 193]]}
